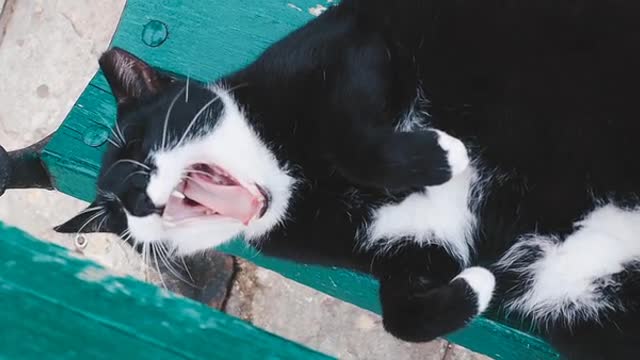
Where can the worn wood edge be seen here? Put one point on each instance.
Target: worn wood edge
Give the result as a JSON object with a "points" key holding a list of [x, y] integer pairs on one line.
{"points": [[42, 283]]}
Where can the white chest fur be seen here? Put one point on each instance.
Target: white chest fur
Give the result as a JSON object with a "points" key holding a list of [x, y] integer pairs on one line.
{"points": [[441, 215]]}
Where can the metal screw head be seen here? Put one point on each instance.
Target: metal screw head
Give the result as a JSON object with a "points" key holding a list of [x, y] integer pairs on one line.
{"points": [[80, 242]]}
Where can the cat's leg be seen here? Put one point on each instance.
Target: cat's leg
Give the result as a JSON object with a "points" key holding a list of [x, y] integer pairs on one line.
{"points": [[423, 245], [424, 294], [583, 290], [397, 160]]}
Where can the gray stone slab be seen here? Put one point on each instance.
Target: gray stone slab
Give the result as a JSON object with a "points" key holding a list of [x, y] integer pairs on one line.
{"points": [[339, 329]]}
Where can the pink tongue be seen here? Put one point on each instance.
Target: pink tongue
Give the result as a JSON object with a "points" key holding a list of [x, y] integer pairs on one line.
{"points": [[232, 201]]}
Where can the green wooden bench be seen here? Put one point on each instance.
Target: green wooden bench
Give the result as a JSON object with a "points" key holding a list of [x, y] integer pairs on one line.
{"points": [[205, 39], [58, 306]]}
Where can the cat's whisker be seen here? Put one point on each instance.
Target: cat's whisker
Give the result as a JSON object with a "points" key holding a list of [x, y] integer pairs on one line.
{"points": [[92, 218], [139, 172], [108, 195], [131, 161], [104, 219], [155, 260], [166, 118], [202, 110], [110, 140], [126, 232], [124, 236], [120, 142], [164, 257], [145, 260], [120, 133], [95, 208], [186, 268], [186, 95], [195, 118]]}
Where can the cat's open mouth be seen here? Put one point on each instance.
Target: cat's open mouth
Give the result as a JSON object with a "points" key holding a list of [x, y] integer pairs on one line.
{"points": [[208, 191]]}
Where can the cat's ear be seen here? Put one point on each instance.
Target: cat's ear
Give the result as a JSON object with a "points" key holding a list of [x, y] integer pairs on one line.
{"points": [[130, 78], [90, 220]]}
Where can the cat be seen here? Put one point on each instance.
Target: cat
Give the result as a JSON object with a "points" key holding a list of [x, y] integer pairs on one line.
{"points": [[472, 156]]}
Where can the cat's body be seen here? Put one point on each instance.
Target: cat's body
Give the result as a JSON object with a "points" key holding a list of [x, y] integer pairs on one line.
{"points": [[334, 126]]}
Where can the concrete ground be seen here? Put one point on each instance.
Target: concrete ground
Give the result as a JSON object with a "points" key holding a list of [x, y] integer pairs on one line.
{"points": [[48, 53]]}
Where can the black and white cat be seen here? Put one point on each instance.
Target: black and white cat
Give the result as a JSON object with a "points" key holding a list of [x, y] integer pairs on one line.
{"points": [[325, 150]]}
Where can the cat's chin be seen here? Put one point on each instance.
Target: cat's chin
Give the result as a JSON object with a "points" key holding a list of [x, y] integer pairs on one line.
{"points": [[188, 236]]}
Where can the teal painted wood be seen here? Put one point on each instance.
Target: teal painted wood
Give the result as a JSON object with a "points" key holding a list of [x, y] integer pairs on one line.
{"points": [[54, 305], [205, 39]]}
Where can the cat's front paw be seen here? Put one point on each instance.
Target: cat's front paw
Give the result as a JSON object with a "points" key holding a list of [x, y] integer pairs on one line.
{"points": [[482, 283], [457, 155]]}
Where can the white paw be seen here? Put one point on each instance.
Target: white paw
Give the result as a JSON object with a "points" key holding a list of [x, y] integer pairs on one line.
{"points": [[457, 154], [482, 282]]}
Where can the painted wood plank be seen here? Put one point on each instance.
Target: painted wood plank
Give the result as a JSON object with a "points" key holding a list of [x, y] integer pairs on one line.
{"points": [[205, 39], [55, 305]]}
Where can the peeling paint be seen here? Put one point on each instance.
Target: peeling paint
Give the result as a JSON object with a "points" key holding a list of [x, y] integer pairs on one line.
{"points": [[116, 287], [295, 7], [191, 313], [93, 274], [317, 10], [48, 259], [105, 278]]}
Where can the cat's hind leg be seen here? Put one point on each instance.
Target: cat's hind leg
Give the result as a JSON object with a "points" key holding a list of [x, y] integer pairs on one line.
{"points": [[424, 313], [584, 291], [424, 294]]}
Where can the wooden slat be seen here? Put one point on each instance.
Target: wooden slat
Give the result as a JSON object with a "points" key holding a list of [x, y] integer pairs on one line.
{"points": [[206, 39], [54, 305]]}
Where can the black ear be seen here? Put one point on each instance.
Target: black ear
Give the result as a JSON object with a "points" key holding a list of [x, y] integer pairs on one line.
{"points": [[91, 220], [130, 78]]}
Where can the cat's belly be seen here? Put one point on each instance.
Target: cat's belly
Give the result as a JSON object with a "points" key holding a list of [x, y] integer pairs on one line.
{"points": [[444, 215]]}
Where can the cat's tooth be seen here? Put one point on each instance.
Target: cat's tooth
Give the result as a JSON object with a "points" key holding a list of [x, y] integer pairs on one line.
{"points": [[178, 194]]}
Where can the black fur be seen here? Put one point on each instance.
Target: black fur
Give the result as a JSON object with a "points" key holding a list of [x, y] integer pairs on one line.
{"points": [[544, 93]]}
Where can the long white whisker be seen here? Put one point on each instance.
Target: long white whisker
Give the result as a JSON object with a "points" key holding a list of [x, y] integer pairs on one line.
{"points": [[139, 172], [97, 215], [202, 110], [95, 208], [104, 219], [127, 161], [186, 95], [155, 259], [145, 260], [120, 133], [166, 118], [125, 236], [114, 143], [117, 138], [186, 268], [195, 118], [165, 260]]}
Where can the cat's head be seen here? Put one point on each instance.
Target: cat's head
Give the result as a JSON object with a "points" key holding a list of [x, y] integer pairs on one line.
{"points": [[184, 165]]}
